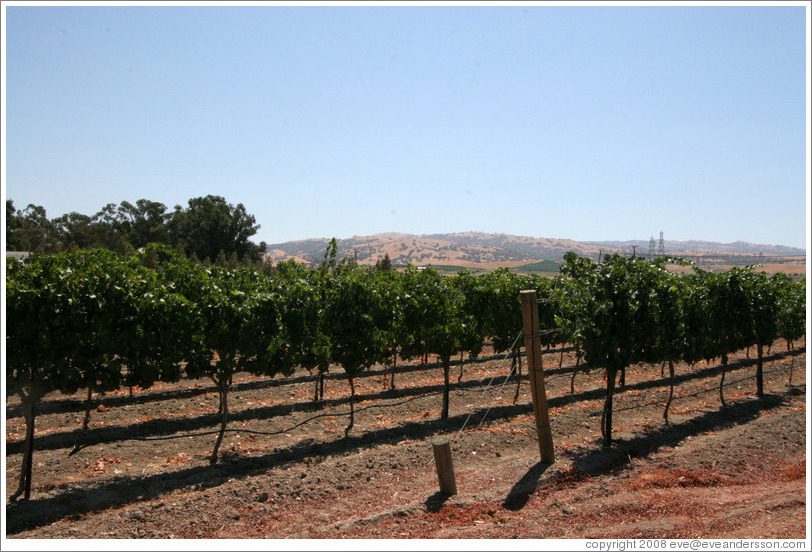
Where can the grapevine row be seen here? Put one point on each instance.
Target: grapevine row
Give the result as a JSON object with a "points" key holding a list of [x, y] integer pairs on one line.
{"points": [[97, 320]]}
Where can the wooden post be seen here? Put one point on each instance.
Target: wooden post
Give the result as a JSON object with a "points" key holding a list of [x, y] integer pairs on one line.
{"points": [[532, 345], [445, 468]]}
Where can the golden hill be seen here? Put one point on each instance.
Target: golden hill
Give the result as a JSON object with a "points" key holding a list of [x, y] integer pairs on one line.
{"points": [[478, 250], [466, 249]]}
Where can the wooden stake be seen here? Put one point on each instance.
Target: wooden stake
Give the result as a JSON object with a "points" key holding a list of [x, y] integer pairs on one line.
{"points": [[445, 467], [532, 345]]}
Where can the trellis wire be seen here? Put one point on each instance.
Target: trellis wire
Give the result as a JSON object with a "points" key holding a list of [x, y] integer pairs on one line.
{"points": [[713, 389], [513, 369], [280, 431], [257, 432]]}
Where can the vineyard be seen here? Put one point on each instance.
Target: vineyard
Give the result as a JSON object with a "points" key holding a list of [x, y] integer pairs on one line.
{"points": [[149, 396]]}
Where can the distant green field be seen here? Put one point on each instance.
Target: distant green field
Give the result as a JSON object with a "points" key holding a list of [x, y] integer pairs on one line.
{"points": [[540, 266], [454, 269]]}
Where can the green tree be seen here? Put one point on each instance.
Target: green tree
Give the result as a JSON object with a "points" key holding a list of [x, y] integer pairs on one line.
{"points": [[78, 231], [142, 223], [29, 229], [210, 225], [384, 264]]}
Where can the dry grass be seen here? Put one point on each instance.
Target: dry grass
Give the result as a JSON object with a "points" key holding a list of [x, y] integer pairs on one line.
{"points": [[669, 478]]}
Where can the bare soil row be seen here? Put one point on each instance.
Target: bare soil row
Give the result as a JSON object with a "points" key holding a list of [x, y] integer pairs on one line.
{"points": [[142, 471]]}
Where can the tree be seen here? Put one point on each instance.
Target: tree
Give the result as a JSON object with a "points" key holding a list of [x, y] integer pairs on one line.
{"points": [[78, 231], [29, 229], [210, 225], [384, 264], [142, 223]]}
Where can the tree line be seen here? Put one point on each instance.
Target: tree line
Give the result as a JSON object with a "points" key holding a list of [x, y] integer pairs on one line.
{"points": [[208, 229], [97, 320]]}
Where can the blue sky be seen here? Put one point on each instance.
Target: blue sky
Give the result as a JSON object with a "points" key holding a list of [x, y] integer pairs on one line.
{"points": [[581, 122]]}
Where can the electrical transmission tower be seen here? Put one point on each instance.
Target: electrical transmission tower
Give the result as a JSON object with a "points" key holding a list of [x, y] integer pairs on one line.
{"points": [[661, 247], [652, 248]]}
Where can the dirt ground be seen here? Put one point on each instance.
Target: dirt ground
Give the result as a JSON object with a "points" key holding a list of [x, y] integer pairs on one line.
{"points": [[141, 470]]}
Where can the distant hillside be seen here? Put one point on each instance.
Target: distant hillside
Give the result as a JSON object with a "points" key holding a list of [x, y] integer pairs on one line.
{"points": [[402, 249], [549, 249], [695, 247], [480, 250]]}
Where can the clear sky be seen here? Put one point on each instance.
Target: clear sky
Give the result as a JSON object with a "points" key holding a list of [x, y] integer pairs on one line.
{"points": [[581, 122]]}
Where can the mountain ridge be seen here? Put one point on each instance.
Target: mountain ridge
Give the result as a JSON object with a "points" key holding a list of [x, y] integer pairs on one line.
{"points": [[475, 249]]}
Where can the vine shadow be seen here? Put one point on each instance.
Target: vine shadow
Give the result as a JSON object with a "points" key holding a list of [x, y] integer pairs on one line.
{"points": [[520, 493], [600, 460], [435, 502], [78, 439], [70, 501]]}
